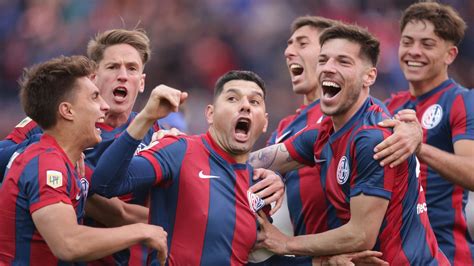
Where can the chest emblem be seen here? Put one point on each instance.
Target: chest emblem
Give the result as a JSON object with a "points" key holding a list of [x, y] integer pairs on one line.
{"points": [[343, 170], [432, 116]]}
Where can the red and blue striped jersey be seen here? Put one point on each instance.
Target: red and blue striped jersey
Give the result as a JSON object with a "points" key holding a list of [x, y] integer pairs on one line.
{"points": [[303, 188], [41, 175], [198, 195], [446, 114], [27, 130], [344, 161]]}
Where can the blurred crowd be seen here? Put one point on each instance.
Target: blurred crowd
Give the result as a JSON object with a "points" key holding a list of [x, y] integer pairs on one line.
{"points": [[194, 42]]}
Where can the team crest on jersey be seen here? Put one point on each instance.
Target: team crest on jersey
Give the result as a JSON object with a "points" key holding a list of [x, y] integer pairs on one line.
{"points": [[255, 202], [54, 179], [24, 122], [432, 116], [343, 170]]}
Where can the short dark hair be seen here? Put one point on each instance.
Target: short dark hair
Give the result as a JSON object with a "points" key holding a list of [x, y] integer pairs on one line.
{"points": [[317, 22], [238, 75], [448, 24], [44, 86], [369, 45], [136, 38]]}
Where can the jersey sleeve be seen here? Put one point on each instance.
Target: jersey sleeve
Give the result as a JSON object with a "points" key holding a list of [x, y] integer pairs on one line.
{"points": [[24, 130], [9, 147], [165, 157], [112, 175], [462, 116], [47, 181], [368, 177], [301, 145]]}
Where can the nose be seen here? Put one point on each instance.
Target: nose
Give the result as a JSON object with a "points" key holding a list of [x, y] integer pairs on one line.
{"points": [[414, 50], [327, 67], [289, 51], [104, 107], [245, 106], [122, 74]]}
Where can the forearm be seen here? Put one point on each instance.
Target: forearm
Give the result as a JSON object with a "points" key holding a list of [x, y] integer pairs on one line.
{"points": [[458, 169], [139, 127], [114, 212], [89, 243], [275, 157], [344, 239]]}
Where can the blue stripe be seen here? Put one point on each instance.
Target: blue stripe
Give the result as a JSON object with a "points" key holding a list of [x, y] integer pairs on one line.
{"points": [[24, 227], [221, 215], [164, 199]]}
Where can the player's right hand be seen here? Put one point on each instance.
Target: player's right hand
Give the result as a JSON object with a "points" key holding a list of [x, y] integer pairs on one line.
{"points": [[157, 239], [162, 101]]}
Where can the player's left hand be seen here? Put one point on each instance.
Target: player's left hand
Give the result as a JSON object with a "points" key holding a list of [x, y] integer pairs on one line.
{"points": [[270, 188], [166, 132], [405, 140], [269, 237]]}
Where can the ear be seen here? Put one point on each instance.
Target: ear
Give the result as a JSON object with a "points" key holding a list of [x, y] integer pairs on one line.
{"points": [[65, 111], [266, 123], [370, 77], [142, 83], [210, 114], [93, 77], [451, 55]]}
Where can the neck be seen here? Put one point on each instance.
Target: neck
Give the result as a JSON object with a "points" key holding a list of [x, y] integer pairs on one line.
{"points": [[239, 158], [116, 119], [418, 88], [311, 97], [341, 119], [67, 141]]}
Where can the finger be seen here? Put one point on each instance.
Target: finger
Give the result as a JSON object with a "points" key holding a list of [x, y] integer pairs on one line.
{"points": [[388, 123], [273, 197], [388, 142], [400, 160], [183, 97], [259, 174], [277, 206], [365, 253], [262, 218], [259, 186], [175, 132]]}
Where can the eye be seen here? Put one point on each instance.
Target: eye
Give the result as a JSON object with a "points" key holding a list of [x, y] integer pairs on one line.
{"points": [[231, 99], [254, 102]]}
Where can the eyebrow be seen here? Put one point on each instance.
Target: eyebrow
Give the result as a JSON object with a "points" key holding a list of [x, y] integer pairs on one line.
{"points": [[236, 91]]}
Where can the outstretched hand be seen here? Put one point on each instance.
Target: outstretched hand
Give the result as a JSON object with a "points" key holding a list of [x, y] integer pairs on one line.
{"points": [[405, 140]]}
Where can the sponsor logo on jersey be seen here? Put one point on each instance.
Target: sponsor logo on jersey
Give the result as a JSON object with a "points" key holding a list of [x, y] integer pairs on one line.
{"points": [[203, 176], [255, 202], [432, 116], [24, 122], [54, 179], [421, 208], [142, 146], [343, 170]]}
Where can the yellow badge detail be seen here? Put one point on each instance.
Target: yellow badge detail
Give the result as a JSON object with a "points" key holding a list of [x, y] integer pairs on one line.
{"points": [[24, 122], [54, 179]]}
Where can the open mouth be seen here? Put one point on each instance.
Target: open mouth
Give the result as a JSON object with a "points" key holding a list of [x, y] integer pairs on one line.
{"points": [[242, 128], [296, 69], [120, 92], [330, 88]]}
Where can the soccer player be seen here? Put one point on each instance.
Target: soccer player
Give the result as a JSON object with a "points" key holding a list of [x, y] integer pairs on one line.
{"points": [[42, 198], [367, 206], [121, 56], [199, 184], [302, 185], [430, 33]]}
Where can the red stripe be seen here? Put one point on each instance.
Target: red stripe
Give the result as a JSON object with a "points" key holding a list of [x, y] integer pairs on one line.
{"points": [[462, 255], [244, 221], [188, 239], [457, 118]]}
